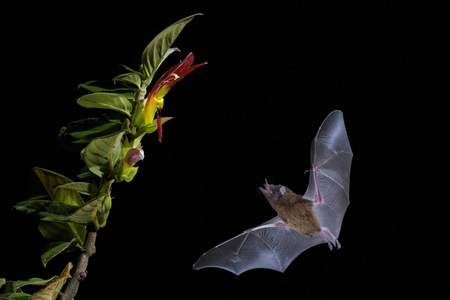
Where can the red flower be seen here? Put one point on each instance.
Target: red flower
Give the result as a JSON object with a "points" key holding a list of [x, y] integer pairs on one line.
{"points": [[155, 100]]}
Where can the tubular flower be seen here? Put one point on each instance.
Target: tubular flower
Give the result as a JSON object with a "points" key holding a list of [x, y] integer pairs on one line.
{"points": [[155, 99], [131, 158]]}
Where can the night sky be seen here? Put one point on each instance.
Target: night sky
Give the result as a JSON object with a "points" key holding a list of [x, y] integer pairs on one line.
{"points": [[274, 72]]}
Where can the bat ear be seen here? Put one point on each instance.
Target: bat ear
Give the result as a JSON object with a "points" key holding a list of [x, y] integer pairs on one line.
{"points": [[282, 189]]}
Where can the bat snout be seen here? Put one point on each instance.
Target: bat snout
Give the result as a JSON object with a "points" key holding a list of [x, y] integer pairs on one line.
{"points": [[274, 192], [265, 189]]}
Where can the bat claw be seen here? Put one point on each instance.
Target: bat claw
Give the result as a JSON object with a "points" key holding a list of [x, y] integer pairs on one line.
{"points": [[330, 246], [332, 241], [337, 244]]}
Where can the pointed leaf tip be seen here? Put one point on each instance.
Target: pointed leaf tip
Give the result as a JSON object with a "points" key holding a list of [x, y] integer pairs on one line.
{"points": [[159, 48]]}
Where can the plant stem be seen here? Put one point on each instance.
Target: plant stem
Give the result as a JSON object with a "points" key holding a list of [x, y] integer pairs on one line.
{"points": [[80, 268]]}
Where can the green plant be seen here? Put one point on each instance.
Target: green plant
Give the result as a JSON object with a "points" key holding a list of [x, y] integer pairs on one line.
{"points": [[70, 213]]}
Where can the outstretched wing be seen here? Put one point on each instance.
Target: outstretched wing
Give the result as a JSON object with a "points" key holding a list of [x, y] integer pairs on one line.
{"points": [[329, 179], [264, 248]]}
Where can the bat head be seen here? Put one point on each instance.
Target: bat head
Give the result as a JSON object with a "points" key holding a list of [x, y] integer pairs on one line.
{"points": [[276, 193]]}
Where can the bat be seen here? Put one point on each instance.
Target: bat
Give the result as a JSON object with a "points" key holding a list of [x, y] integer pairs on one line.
{"points": [[302, 221]]}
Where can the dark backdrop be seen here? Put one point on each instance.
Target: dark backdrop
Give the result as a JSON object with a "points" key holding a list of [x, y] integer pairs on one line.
{"points": [[275, 71]]}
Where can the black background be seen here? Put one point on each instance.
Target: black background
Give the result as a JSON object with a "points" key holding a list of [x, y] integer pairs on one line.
{"points": [[275, 70]]}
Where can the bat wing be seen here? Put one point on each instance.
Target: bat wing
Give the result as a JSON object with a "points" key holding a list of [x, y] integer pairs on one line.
{"points": [[329, 179], [268, 247]]}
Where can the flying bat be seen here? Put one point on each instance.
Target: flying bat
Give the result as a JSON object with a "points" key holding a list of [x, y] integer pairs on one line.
{"points": [[302, 221]]}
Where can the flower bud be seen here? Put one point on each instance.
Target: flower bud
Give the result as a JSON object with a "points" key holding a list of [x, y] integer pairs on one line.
{"points": [[133, 156]]}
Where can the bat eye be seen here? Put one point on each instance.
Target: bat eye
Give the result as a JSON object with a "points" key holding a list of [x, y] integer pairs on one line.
{"points": [[282, 190]]}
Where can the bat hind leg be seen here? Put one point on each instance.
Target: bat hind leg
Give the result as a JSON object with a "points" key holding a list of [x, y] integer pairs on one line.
{"points": [[331, 240]]}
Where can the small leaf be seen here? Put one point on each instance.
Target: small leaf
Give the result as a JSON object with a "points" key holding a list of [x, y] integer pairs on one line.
{"points": [[8, 289], [66, 271], [150, 128], [138, 119], [159, 48], [46, 210], [130, 175], [51, 291], [105, 188], [101, 129], [55, 248], [97, 89], [15, 296], [92, 88], [84, 173], [32, 281], [102, 154], [52, 231], [55, 224], [62, 232], [132, 78], [129, 69], [87, 214], [116, 102], [50, 180], [81, 187], [12, 290]]}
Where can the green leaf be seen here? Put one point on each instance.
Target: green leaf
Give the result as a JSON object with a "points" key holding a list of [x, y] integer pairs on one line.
{"points": [[81, 187], [62, 232], [50, 180], [15, 296], [138, 119], [130, 174], [84, 173], [7, 288], [51, 214], [32, 281], [52, 231], [46, 210], [159, 48], [55, 248], [116, 102], [132, 78], [102, 128], [102, 154], [129, 69], [157, 64], [96, 89], [52, 289], [92, 88], [87, 214], [150, 128], [105, 188]]}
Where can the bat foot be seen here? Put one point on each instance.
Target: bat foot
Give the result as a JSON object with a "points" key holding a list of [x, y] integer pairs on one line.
{"points": [[337, 244], [331, 240]]}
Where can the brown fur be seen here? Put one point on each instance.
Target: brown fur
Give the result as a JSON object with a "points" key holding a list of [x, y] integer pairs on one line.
{"points": [[295, 211]]}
